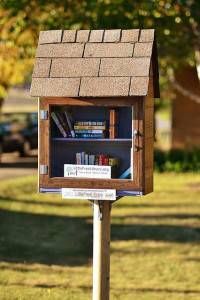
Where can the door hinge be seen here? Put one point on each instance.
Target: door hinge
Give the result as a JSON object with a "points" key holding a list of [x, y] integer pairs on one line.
{"points": [[43, 169], [43, 114]]}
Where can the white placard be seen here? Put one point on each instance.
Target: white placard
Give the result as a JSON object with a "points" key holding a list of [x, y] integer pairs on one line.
{"points": [[87, 171], [89, 194]]}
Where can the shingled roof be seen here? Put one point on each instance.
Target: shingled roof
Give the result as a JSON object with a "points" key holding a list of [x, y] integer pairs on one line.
{"points": [[95, 63]]}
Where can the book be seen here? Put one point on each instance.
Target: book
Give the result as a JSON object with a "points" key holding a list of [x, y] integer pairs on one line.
{"points": [[86, 159], [89, 127], [61, 118], [90, 135], [58, 124], [69, 123], [95, 131], [113, 123], [113, 161], [78, 158], [90, 123], [126, 174], [91, 159]]}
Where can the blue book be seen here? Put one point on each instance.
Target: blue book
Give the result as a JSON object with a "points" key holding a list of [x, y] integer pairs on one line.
{"points": [[126, 174], [89, 135]]}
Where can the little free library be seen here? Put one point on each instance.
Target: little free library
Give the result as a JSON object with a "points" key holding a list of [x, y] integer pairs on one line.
{"points": [[96, 92]]}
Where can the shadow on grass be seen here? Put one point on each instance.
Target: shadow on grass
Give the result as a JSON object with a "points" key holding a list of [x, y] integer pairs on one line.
{"points": [[47, 239], [156, 232], [59, 240], [133, 290], [43, 203]]}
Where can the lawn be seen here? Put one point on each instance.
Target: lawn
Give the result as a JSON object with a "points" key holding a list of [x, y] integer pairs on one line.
{"points": [[46, 243]]}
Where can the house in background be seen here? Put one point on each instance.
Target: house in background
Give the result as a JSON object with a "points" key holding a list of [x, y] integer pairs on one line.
{"points": [[186, 110]]}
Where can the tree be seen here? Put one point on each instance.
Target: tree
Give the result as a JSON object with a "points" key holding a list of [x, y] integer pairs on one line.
{"points": [[176, 23]]}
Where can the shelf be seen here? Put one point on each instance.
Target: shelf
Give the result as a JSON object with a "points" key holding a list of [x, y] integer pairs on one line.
{"points": [[77, 140]]}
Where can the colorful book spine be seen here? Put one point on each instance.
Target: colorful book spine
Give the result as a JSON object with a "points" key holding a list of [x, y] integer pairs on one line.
{"points": [[89, 127], [58, 124], [90, 123], [93, 131]]}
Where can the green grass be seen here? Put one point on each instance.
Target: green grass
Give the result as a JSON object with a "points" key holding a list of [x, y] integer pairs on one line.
{"points": [[46, 243]]}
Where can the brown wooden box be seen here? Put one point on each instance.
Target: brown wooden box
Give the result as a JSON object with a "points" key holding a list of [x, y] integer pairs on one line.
{"points": [[115, 79]]}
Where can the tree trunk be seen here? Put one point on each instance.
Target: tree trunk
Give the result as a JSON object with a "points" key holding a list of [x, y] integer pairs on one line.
{"points": [[186, 109], [1, 103]]}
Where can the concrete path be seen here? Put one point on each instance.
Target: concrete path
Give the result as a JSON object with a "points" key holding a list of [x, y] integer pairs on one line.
{"points": [[13, 166]]}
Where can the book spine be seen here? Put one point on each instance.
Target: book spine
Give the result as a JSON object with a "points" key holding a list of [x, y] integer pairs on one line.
{"points": [[78, 158], [82, 158], [113, 161], [69, 124], [89, 127], [105, 160], [86, 159], [95, 131], [90, 123], [96, 160], [113, 124], [89, 135], [91, 159], [60, 116], [58, 124]]}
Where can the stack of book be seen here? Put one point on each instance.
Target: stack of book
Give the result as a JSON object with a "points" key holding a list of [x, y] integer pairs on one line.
{"points": [[90, 129], [64, 123], [84, 158]]}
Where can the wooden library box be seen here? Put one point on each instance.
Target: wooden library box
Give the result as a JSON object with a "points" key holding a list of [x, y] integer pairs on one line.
{"points": [[96, 92]]}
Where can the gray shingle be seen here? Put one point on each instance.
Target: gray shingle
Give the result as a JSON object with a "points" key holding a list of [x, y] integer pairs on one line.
{"points": [[147, 35], [41, 67], [82, 36], [112, 35], [60, 50], [96, 36], [108, 50], [124, 66], [130, 35], [50, 36], [55, 87], [69, 36], [104, 86], [143, 49], [139, 86], [76, 67]]}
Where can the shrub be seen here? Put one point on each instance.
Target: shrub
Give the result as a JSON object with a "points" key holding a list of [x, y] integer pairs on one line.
{"points": [[176, 160]]}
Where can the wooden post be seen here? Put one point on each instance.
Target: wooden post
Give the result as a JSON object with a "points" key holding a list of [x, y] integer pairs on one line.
{"points": [[101, 250]]}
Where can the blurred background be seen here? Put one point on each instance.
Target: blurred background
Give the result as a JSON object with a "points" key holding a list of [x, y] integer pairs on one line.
{"points": [[164, 226], [177, 113]]}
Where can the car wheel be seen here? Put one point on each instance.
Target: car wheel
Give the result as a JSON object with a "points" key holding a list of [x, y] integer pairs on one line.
{"points": [[25, 149]]}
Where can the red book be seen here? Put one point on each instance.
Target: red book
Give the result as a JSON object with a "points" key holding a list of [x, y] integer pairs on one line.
{"points": [[105, 160]]}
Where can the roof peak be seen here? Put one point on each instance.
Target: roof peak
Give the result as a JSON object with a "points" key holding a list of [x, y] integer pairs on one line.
{"points": [[96, 36], [94, 63]]}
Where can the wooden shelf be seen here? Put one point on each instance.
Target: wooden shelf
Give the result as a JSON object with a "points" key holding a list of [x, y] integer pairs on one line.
{"points": [[77, 140]]}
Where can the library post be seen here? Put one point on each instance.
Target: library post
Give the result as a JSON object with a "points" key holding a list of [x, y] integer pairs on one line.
{"points": [[96, 92]]}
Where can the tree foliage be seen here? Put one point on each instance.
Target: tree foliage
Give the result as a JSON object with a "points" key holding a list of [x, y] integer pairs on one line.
{"points": [[176, 23]]}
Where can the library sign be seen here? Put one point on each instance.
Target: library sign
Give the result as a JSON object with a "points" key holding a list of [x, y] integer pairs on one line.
{"points": [[96, 92]]}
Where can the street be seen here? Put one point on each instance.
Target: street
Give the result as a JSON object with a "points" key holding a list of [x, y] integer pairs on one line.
{"points": [[13, 166]]}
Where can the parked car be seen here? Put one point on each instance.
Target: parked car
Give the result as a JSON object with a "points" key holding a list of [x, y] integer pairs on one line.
{"points": [[18, 132]]}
